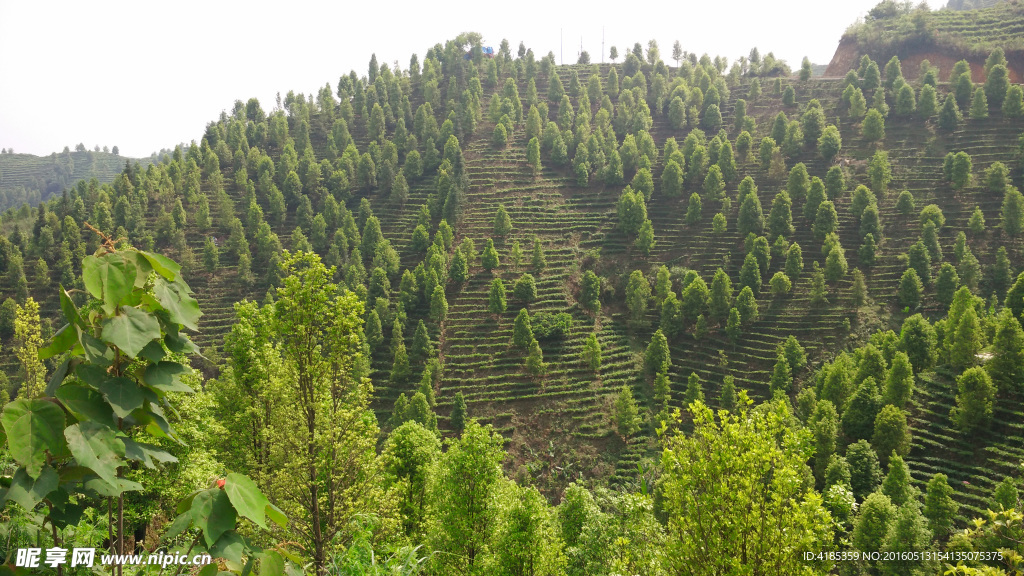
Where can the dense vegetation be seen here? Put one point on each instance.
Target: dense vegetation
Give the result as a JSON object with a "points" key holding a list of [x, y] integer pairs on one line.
{"points": [[28, 179], [473, 317]]}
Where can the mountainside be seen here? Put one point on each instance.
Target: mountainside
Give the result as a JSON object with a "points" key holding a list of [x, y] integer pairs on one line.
{"points": [[26, 178], [941, 37], [708, 230]]}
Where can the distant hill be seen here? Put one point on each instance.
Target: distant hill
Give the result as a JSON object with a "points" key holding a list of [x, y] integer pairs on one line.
{"points": [[942, 37], [970, 4], [30, 178]]}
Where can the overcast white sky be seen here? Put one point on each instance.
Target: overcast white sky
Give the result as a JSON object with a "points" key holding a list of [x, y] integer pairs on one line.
{"points": [[146, 75]]}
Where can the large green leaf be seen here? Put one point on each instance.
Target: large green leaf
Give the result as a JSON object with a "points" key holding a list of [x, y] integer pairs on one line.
{"points": [[163, 265], [95, 350], [92, 375], [33, 427], [123, 395], [69, 516], [277, 515], [156, 425], [180, 343], [230, 547], [154, 351], [180, 524], [166, 376], [104, 488], [63, 340], [96, 447], [247, 499], [60, 373], [148, 454], [131, 330], [271, 563], [213, 514], [27, 492], [109, 278], [181, 307], [85, 403], [142, 267], [70, 310]]}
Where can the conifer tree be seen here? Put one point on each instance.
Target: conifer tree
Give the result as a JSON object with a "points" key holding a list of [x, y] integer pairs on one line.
{"points": [[905, 101], [721, 295], [896, 484], [997, 85], [627, 416], [824, 424], [537, 260], [750, 274], [694, 389], [1006, 368], [826, 220], [975, 395], [780, 219], [645, 238], [782, 377], [439, 305], [400, 365], [891, 433], [979, 104], [939, 507], [693, 209], [1013, 212], [909, 290], [899, 382], [1006, 495], [733, 326], [638, 292], [421, 345], [927, 102], [502, 222], [533, 154], [830, 143], [459, 414], [522, 332], [1013, 104], [865, 473], [489, 259], [459, 271], [535, 359], [967, 340], [751, 219], [592, 352], [794, 262], [496, 303], [727, 397], [949, 114], [819, 291], [859, 417], [873, 127], [657, 358], [746, 304]]}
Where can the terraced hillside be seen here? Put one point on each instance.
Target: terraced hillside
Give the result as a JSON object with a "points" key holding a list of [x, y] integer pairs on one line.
{"points": [[942, 37], [30, 178], [559, 424]]}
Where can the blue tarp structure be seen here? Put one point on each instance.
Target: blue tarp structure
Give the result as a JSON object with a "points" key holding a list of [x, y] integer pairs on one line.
{"points": [[487, 51]]}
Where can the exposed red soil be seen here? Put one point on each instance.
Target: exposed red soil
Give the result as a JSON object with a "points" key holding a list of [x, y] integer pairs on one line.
{"points": [[847, 57]]}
